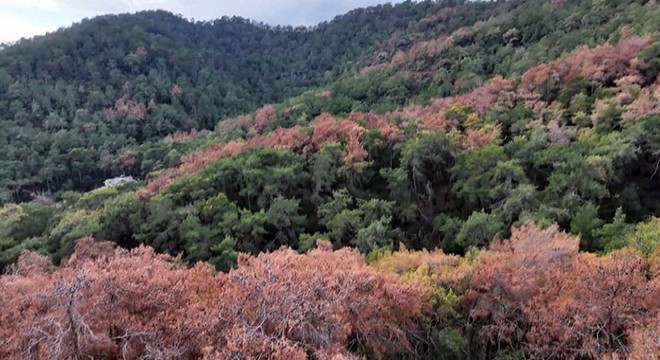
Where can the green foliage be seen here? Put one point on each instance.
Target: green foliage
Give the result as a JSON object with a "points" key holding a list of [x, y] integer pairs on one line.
{"points": [[23, 227], [612, 236], [10, 215], [478, 230], [366, 225], [477, 173], [378, 252], [450, 343], [375, 234], [204, 243], [517, 201], [324, 171], [75, 102], [286, 221], [651, 57], [646, 237], [71, 227], [559, 156], [509, 354], [120, 218], [95, 199], [449, 227]]}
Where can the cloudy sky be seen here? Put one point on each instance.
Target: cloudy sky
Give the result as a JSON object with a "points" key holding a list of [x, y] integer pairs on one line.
{"points": [[25, 18]]}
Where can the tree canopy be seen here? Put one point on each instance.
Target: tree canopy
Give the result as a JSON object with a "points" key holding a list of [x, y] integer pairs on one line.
{"points": [[484, 178]]}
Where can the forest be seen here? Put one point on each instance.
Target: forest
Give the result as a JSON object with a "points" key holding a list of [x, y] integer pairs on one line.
{"points": [[427, 180]]}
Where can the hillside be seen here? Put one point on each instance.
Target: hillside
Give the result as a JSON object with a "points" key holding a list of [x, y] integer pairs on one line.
{"points": [[463, 180], [76, 101]]}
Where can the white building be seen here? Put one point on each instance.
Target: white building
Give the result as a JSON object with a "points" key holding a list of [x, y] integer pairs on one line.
{"points": [[122, 180]]}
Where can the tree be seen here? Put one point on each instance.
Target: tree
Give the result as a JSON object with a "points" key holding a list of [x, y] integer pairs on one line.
{"points": [[90, 308], [340, 314], [478, 173], [479, 230], [135, 304], [606, 304], [508, 278], [284, 216], [646, 237]]}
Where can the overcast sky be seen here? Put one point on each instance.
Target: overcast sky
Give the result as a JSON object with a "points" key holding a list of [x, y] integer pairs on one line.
{"points": [[25, 18]]}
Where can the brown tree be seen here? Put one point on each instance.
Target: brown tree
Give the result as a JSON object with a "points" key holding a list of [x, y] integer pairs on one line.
{"points": [[120, 304], [510, 275], [324, 303], [592, 309]]}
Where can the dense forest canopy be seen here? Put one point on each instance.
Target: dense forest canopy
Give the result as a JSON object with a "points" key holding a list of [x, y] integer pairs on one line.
{"points": [[78, 100], [437, 179]]}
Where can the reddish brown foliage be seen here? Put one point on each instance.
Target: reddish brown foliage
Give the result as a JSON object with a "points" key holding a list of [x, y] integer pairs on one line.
{"points": [[628, 88], [280, 138], [119, 304], [129, 159], [537, 291], [540, 74], [141, 53], [328, 129], [645, 341], [369, 69], [176, 90], [32, 264], [264, 116], [534, 292], [561, 134], [600, 108], [432, 117], [510, 275], [192, 163], [389, 131], [242, 122], [606, 62], [323, 94], [558, 3], [427, 48], [181, 137], [283, 139], [647, 104], [89, 127], [198, 159], [89, 249], [308, 302], [477, 138], [590, 309], [325, 129], [126, 107], [389, 52], [161, 181], [258, 120], [601, 64]]}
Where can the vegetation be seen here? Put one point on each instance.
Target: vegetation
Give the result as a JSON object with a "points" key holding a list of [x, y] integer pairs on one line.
{"points": [[92, 101], [483, 175], [531, 296]]}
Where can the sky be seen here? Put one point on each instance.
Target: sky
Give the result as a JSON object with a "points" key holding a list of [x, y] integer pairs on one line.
{"points": [[26, 18]]}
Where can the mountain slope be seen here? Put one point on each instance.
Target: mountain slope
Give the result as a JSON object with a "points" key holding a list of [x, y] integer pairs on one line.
{"points": [[118, 81], [378, 139], [488, 177]]}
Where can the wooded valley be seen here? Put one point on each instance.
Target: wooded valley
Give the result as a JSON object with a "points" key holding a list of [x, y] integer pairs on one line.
{"points": [[439, 179]]}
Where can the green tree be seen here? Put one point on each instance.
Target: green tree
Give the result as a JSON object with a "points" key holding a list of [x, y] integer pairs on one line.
{"points": [[478, 230]]}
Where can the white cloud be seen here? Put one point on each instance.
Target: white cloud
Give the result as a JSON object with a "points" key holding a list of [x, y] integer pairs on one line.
{"points": [[13, 27], [49, 5]]}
